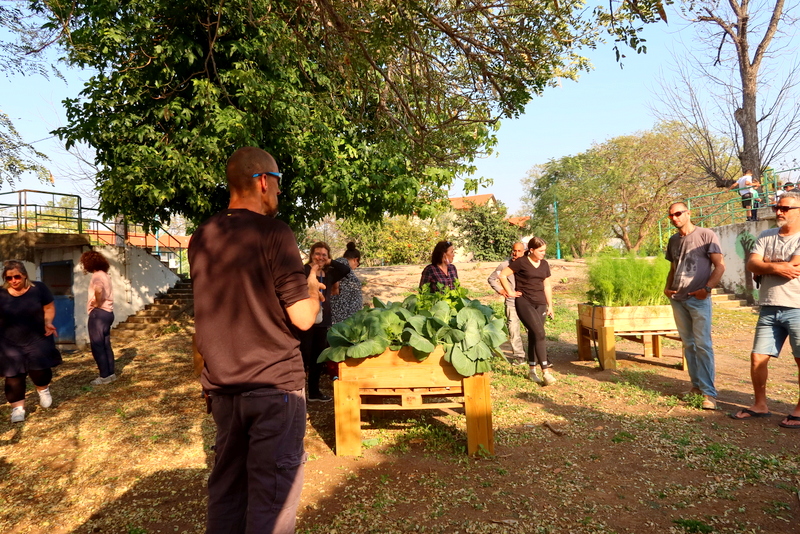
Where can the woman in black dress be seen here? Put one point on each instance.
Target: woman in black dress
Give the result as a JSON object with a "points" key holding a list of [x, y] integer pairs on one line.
{"points": [[27, 344], [534, 303]]}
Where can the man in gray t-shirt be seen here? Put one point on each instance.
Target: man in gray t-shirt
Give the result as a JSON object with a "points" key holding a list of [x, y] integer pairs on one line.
{"points": [[776, 259], [696, 267]]}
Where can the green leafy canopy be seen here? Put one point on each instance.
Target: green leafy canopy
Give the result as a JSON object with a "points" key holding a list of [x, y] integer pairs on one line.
{"points": [[369, 107]]}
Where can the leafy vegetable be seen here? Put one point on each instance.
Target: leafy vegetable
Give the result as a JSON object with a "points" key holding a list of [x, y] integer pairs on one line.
{"points": [[468, 331]]}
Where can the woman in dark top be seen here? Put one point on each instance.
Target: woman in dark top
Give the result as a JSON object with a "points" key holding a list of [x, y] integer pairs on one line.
{"points": [[441, 274], [349, 299], [314, 340], [27, 344], [534, 303]]}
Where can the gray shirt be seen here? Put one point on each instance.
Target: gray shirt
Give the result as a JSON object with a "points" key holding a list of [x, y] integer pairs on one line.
{"points": [[776, 290], [494, 281], [691, 257]]}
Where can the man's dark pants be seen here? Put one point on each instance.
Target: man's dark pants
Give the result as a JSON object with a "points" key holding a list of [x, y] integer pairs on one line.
{"points": [[258, 470]]}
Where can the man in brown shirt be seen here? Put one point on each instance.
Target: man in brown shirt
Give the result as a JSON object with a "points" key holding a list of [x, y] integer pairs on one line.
{"points": [[249, 289]]}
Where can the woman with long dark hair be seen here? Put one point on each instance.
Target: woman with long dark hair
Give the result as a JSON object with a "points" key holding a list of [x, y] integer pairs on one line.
{"points": [[101, 315], [27, 344], [534, 303], [441, 274]]}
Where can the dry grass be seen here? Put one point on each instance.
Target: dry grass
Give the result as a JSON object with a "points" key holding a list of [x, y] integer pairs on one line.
{"points": [[600, 451]]}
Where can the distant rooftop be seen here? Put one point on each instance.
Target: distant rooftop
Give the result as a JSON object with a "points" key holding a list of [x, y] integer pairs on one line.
{"points": [[462, 203]]}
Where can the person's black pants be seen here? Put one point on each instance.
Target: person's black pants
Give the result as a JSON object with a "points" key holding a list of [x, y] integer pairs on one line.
{"points": [[100, 322], [15, 385], [312, 342], [257, 478], [533, 317]]}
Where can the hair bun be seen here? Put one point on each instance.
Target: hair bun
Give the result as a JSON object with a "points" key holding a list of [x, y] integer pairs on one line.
{"points": [[351, 245]]}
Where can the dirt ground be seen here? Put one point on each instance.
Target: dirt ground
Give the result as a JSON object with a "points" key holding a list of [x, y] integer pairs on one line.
{"points": [[599, 451]]}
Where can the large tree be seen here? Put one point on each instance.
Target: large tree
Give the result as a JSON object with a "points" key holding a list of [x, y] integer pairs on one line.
{"points": [[19, 54], [369, 107], [620, 188], [734, 84]]}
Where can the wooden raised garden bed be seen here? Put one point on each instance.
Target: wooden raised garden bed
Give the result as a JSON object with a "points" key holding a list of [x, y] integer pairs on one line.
{"points": [[644, 324], [413, 385]]}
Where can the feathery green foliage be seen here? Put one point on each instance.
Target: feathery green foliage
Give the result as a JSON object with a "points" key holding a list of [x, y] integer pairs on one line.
{"points": [[628, 281]]}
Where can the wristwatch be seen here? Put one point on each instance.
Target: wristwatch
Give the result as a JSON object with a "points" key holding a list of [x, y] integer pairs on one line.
{"points": [[708, 289]]}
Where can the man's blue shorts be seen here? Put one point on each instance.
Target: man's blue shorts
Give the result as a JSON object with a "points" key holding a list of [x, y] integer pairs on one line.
{"points": [[775, 324]]}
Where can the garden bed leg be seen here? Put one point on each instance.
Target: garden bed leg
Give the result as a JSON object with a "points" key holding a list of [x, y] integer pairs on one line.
{"points": [[584, 343], [347, 408], [608, 348], [656, 346], [478, 409]]}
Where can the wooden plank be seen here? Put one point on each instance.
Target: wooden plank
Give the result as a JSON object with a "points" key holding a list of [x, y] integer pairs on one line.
{"points": [[627, 318], [423, 406], [584, 343], [455, 391], [608, 348], [657, 346], [347, 411], [478, 409]]}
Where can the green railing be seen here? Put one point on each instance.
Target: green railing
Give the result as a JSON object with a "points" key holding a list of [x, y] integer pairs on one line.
{"points": [[46, 212], [724, 207]]}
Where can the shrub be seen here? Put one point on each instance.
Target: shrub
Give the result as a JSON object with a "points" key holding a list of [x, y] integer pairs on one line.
{"points": [[628, 281]]}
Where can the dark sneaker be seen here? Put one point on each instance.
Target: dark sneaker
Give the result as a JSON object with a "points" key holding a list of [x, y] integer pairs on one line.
{"points": [[318, 397]]}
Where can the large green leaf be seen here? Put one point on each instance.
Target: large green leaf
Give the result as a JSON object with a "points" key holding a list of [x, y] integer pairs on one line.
{"points": [[469, 313], [417, 322], [416, 341], [472, 334], [334, 354], [479, 352], [376, 303], [370, 347], [442, 311], [463, 365], [341, 335], [493, 336]]}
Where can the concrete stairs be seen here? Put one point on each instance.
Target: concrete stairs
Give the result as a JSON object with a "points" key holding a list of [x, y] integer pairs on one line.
{"points": [[721, 299], [155, 317]]}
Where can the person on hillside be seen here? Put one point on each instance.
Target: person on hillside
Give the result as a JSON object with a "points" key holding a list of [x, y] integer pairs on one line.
{"points": [[101, 315], [27, 338], [441, 274], [696, 266], [349, 298], [533, 295], [512, 319], [315, 339], [788, 186], [250, 292], [746, 185], [776, 258]]}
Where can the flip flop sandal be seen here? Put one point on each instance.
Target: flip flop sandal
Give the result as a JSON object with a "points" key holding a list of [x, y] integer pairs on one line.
{"points": [[751, 414], [790, 418]]}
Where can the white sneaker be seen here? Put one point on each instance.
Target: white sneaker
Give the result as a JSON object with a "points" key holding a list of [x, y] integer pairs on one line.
{"points": [[548, 378], [45, 398], [17, 414], [535, 377], [100, 381]]}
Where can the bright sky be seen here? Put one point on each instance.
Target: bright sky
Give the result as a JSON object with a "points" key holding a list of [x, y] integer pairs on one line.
{"points": [[604, 103]]}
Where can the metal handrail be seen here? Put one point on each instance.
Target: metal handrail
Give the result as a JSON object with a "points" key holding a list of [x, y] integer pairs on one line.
{"points": [[29, 216]]}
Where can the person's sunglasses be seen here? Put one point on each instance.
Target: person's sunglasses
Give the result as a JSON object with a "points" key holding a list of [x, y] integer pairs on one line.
{"points": [[13, 277], [278, 175], [676, 214], [784, 209]]}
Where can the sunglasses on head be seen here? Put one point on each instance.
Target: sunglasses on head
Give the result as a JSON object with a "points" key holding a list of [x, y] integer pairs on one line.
{"points": [[13, 277], [784, 209]]}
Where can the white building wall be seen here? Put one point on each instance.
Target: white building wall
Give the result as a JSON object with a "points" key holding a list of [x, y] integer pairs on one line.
{"points": [[136, 279], [736, 241]]}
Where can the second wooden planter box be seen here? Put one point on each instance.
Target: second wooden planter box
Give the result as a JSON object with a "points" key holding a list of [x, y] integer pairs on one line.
{"points": [[645, 324]]}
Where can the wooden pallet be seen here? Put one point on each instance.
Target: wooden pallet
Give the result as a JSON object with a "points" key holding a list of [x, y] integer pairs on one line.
{"points": [[395, 380]]}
